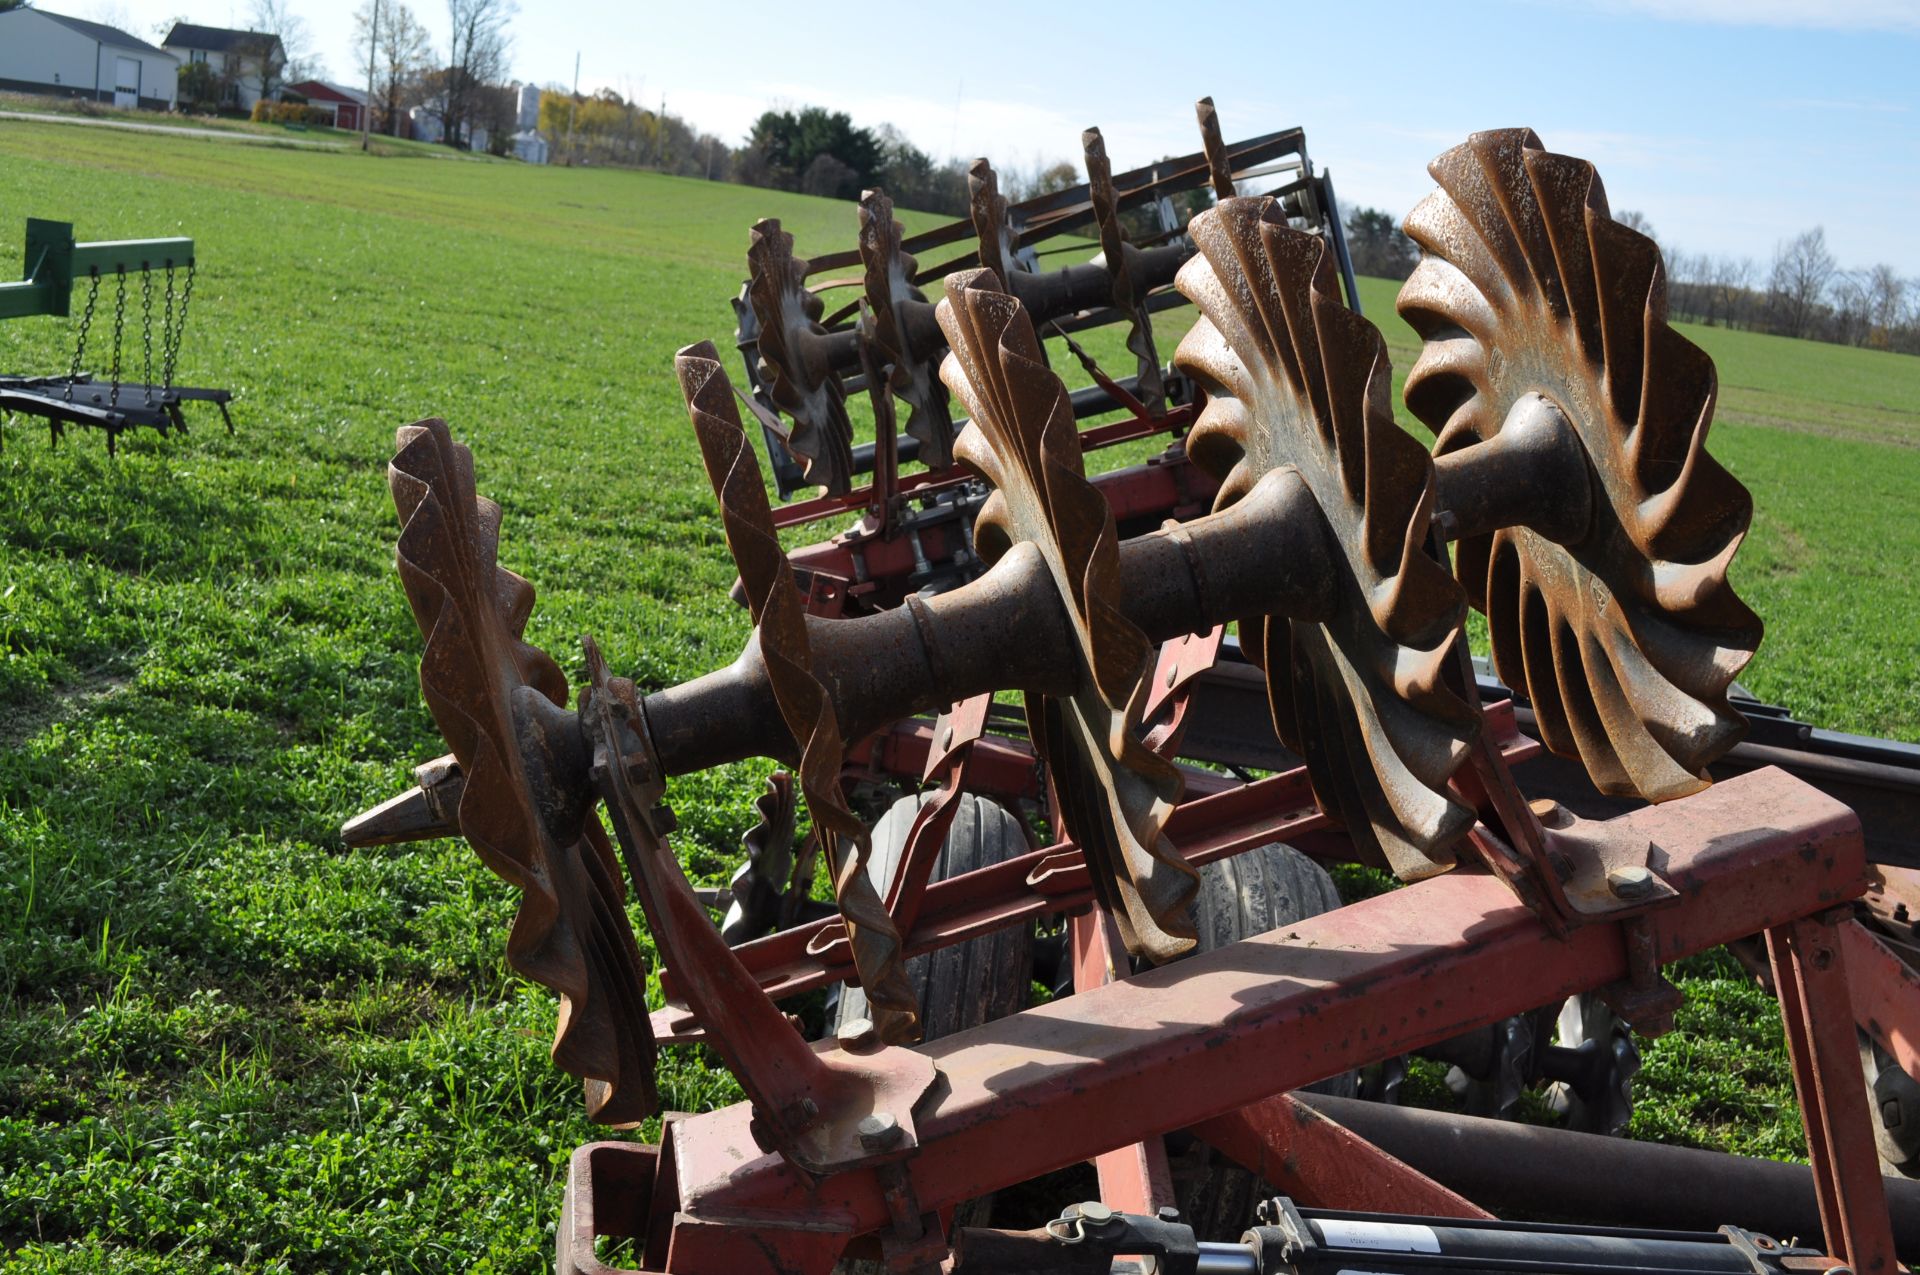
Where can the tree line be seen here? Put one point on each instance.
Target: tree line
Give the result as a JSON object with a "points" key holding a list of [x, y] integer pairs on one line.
{"points": [[462, 84], [809, 150], [1802, 292]]}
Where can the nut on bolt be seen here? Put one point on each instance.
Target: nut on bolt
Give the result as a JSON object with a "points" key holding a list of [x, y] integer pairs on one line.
{"points": [[1632, 881], [880, 1131], [1550, 813], [857, 1036]]}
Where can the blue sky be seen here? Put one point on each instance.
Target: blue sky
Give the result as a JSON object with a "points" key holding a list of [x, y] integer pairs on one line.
{"points": [[1730, 123]]}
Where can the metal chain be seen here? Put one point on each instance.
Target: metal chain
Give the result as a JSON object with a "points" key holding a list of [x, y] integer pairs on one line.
{"points": [[168, 342], [171, 355], [119, 326], [146, 333], [86, 321]]}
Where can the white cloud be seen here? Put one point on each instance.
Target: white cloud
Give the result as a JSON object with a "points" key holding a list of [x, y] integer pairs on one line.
{"points": [[1832, 15], [1844, 104]]}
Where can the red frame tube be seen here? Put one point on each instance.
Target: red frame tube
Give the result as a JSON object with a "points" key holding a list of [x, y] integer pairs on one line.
{"points": [[1180, 1045]]}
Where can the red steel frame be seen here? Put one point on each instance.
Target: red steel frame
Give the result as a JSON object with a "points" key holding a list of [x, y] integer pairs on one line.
{"points": [[1216, 824], [1213, 1042]]}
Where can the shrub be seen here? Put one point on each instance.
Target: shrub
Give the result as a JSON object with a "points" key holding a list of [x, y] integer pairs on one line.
{"points": [[265, 112]]}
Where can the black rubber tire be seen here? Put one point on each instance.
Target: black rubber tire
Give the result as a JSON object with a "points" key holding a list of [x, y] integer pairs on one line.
{"points": [[1894, 1098], [1240, 897], [969, 983]]}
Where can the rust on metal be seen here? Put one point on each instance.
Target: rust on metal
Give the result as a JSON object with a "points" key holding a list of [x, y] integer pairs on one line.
{"points": [[1115, 793], [1571, 420], [1590, 524], [1317, 1161], [780, 622], [1296, 379], [1229, 1027], [995, 240], [900, 314], [795, 368], [1137, 1177], [1219, 168], [1129, 294], [497, 701], [807, 1105], [761, 885], [1810, 978]]}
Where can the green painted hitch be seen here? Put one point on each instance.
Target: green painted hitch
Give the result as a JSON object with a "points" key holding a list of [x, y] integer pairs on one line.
{"points": [[54, 261]]}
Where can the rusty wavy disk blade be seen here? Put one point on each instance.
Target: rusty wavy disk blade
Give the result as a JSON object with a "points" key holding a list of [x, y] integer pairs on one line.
{"points": [[1296, 378], [1115, 793], [888, 280], [991, 229], [1627, 641], [769, 843], [1113, 248], [485, 687], [822, 435], [1219, 170], [780, 616]]}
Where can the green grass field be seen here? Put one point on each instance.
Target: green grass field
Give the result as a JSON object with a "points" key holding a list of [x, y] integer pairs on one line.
{"points": [[289, 136], [229, 1043]]}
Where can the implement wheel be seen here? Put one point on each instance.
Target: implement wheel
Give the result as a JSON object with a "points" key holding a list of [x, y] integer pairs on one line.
{"points": [[969, 983], [1240, 897], [966, 984]]}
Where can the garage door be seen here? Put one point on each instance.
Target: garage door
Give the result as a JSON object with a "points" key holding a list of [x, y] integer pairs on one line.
{"points": [[126, 82]]}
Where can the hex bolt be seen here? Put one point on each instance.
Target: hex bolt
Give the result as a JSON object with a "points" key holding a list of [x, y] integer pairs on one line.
{"points": [[1632, 881], [880, 1131], [857, 1036]]}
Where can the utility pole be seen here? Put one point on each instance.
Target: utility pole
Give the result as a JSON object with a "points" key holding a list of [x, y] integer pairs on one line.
{"points": [[573, 104], [373, 43]]}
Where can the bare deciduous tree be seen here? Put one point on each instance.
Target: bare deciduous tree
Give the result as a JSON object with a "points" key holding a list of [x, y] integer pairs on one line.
{"points": [[1847, 296], [1802, 268], [110, 13], [400, 51], [1886, 303], [1733, 280], [1634, 219], [476, 58]]}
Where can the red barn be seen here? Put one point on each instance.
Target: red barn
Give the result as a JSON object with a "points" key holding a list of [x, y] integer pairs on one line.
{"points": [[345, 104]]}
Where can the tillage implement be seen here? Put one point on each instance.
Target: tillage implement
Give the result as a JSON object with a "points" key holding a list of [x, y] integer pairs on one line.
{"points": [[1234, 660]]}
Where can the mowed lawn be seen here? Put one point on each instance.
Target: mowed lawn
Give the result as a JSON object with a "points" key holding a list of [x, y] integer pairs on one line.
{"points": [[229, 1043]]}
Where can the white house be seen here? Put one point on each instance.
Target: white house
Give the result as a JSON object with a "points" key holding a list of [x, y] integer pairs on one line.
{"points": [[247, 65], [42, 52]]}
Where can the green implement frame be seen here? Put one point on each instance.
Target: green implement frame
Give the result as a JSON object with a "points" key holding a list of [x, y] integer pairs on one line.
{"points": [[54, 261]]}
